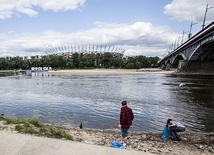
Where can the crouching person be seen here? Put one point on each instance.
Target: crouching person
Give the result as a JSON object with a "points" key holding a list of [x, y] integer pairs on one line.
{"points": [[174, 128]]}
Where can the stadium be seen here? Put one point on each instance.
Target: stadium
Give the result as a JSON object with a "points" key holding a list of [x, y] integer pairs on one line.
{"points": [[68, 50]]}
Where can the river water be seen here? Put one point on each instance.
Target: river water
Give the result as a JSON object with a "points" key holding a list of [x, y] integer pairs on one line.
{"points": [[95, 100]]}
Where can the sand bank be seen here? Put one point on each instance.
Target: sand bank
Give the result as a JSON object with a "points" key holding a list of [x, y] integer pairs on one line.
{"points": [[112, 71]]}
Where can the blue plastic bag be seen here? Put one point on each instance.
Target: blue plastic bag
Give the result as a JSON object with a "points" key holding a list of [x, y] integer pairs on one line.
{"points": [[166, 133], [116, 144]]}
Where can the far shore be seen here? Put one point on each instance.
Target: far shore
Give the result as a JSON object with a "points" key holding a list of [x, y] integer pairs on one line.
{"points": [[112, 71], [126, 71]]}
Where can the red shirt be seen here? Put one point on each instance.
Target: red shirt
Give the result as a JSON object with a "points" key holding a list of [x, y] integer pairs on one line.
{"points": [[126, 117]]}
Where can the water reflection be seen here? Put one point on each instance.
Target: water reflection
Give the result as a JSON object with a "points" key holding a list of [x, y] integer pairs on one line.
{"points": [[197, 98], [94, 100]]}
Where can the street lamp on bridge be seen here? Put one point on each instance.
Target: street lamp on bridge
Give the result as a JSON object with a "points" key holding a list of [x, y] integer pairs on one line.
{"points": [[190, 30], [206, 14], [183, 36]]}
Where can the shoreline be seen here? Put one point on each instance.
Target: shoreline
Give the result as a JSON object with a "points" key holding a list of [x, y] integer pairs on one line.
{"points": [[125, 71], [112, 71], [195, 143]]}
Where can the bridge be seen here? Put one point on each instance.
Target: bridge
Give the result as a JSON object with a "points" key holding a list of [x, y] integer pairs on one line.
{"points": [[194, 55]]}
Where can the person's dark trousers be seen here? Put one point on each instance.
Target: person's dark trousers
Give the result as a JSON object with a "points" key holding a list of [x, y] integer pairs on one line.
{"points": [[173, 131]]}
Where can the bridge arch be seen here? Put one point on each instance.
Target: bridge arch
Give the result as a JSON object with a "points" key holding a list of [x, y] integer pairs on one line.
{"points": [[204, 53], [176, 60], [196, 54]]}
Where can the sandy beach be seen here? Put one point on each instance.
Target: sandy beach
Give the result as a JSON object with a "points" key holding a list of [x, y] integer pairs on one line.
{"points": [[112, 71]]}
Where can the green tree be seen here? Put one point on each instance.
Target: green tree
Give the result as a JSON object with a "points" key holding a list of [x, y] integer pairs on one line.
{"points": [[138, 65], [154, 61], [79, 60], [75, 58], [130, 65]]}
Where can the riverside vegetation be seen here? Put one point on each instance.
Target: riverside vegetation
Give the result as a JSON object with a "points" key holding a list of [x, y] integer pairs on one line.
{"points": [[197, 143], [33, 126], [78, 61]]}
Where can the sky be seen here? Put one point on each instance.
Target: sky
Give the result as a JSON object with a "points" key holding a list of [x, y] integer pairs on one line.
{"points": [[141, 27]]}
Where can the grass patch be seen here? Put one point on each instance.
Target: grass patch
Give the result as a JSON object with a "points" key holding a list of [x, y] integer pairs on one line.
{"points": [[33, 126], [35, 122], [14, 121], [56, 133]]}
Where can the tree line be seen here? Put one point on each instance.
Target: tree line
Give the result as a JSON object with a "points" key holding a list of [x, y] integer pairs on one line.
{"points": [[79, 61]]}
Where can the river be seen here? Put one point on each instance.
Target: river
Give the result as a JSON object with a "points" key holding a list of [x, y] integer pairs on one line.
{"points": [[95, 99]]}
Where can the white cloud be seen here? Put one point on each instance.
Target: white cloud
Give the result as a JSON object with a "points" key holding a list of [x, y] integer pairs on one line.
{"points": [[189, 10], [137, 38], [15, 7], [58, 5]]}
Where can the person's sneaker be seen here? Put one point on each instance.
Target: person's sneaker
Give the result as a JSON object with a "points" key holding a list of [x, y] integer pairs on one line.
{"points": [[179, 139]]}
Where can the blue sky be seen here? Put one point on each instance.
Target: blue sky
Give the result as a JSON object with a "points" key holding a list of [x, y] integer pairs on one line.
{"points": [[141, 27]]}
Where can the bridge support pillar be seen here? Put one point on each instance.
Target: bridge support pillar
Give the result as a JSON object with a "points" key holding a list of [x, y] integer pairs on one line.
{"points": [[163, 67], [168, 65], [182, 66]]}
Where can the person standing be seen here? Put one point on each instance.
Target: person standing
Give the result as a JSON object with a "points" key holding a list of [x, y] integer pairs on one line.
{"points": [[126, 118]]}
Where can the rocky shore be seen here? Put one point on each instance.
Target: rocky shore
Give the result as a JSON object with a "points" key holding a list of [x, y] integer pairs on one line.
{"points": [[197, 143], [191, 144]]}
